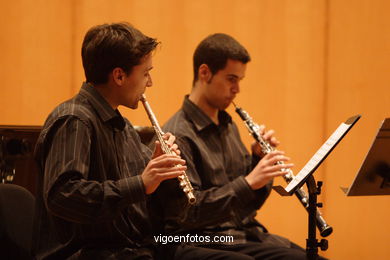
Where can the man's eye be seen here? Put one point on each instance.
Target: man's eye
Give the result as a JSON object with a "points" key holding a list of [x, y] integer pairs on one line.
{"points": [[232, 80]]}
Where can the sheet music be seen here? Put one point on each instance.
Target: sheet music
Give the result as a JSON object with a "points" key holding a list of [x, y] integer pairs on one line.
{"points": [[318, 156]]}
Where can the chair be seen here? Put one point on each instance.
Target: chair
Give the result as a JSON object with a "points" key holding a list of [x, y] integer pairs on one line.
{"points": [[16, 222]]}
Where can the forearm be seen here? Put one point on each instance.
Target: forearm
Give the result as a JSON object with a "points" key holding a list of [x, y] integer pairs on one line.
{"points": [[213, 206], [82, 201]]}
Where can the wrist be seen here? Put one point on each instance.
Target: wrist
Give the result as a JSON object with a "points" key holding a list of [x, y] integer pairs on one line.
{"points": [[249, 181]]}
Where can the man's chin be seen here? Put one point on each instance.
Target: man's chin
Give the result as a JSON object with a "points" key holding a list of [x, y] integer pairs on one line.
{"points": [[132, 106], [225, 106], [135, 106]]}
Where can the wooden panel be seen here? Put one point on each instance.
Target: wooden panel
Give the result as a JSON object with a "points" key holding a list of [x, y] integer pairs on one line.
{"points": [[17, 164], [358, 76], [36, 60]]}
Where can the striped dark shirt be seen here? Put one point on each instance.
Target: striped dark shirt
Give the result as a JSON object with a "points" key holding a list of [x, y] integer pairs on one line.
{"points": [[217, 162], [92, 195]]}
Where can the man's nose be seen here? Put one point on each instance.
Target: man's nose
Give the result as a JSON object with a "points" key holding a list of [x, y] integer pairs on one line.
{"points": [[150, 82], [236, 88]]}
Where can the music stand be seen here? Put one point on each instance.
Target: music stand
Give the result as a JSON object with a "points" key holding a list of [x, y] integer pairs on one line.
{"points": [[373, 177], [317, 158], [314, 188]]}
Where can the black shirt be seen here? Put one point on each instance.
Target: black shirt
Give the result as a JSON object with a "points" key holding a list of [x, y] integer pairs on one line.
{"points": [[217, 163], [92, 195]]}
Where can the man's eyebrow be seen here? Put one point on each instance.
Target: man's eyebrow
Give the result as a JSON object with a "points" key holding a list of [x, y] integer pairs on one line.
{"points": [[235, 76], [150, 68], [232, 75]]}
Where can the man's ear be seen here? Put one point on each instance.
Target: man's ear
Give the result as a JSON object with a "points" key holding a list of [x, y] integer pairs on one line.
{"points": [[118, 76], [204, 73]]}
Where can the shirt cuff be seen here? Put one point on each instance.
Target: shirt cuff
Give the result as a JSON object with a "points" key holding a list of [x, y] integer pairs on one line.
{"points": [[132, 188], [242, 189]]}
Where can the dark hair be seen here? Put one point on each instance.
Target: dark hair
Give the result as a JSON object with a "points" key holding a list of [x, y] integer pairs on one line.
{"points": [[109, 46], [215, 50]]}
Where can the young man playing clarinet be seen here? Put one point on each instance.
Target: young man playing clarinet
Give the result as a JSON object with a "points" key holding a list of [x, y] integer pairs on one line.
{"points": [[95, 174], [230, 185]]}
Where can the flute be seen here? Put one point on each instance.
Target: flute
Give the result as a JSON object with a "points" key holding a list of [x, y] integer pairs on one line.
{"points": [[184, 182], [266, 147]]}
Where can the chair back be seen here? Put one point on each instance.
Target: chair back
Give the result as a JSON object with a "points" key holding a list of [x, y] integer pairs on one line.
{"points": [[16, 221]]}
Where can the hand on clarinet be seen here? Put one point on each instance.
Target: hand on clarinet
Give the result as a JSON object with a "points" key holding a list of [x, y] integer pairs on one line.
{"points": [[267, 169], [267, 136]]}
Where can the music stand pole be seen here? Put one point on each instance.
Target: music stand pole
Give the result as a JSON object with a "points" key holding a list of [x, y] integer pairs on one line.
{"points": [[312, 243]]}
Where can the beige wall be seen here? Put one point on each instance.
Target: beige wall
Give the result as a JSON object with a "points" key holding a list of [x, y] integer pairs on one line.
{"points": [[314, 64]]}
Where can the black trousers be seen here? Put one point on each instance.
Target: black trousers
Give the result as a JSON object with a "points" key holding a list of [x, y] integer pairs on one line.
{"points": [[269, 249]]}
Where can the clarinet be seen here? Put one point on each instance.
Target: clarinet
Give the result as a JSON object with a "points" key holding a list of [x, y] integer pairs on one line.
{"points": [[266, 147], [184, 182]]}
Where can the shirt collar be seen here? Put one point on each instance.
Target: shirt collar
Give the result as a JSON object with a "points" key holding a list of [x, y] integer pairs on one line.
{"points": [[200, 119], [102, 107]]}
